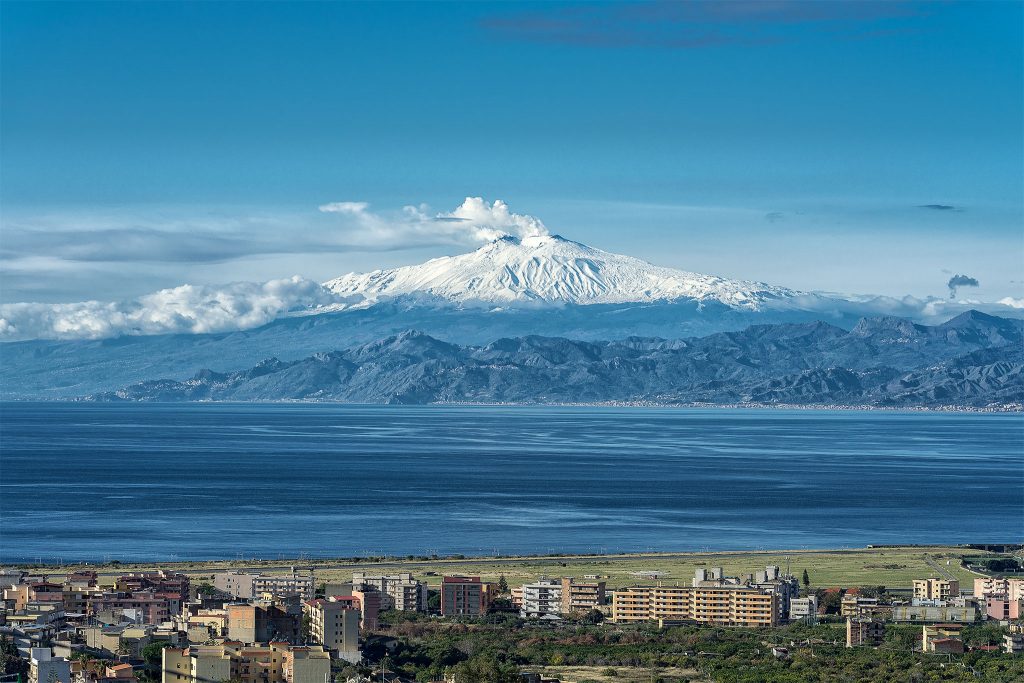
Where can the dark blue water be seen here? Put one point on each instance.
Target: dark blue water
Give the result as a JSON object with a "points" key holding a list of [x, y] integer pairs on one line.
{"points": [[139, 481]]}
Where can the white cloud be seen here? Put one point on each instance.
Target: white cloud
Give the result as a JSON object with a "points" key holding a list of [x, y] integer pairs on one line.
{"points": [[351, 208], [488, 222], [1012, 302], [186, 309], [475, 221]]}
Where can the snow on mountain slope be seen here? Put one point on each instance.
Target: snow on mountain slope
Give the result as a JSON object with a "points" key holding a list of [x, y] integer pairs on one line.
{"points": [[549, 269]]}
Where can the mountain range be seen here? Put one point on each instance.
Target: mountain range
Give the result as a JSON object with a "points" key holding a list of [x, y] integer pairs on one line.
{"points": [[534, 287], [971, 360]]}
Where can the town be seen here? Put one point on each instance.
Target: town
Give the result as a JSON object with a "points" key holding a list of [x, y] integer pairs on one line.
{"points": [[248, 626]]}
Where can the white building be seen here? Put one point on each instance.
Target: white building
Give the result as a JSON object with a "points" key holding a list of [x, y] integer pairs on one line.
{"points": [[246, 586], [45, 668], [542, 598], [805, 609], [398, 591], [334, 623]]}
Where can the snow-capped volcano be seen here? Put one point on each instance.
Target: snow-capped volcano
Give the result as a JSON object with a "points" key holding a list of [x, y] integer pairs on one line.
{"points": [[549, 269]]}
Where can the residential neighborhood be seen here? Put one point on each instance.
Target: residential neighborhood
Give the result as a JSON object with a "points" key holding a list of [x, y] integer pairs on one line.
{"points": [[250, 627]]}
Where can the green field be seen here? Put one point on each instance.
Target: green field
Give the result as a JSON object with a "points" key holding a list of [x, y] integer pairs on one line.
{"points": [[890, 567]]}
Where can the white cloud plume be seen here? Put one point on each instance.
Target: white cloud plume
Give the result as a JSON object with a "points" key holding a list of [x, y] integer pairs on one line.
{"points": [[475, 221], [488, 222], [187, 309], [1012, 302]]}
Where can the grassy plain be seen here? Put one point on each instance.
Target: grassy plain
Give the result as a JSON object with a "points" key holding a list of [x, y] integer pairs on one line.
{"points": [[891, 567]]}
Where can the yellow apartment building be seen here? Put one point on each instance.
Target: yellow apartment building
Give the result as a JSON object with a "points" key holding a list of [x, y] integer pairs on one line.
{"points": [[273, 663], [936, 589], [726, 605]]}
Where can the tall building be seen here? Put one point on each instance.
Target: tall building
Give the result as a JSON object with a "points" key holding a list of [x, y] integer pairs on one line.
{"points": [[582, 596], [541, 598], [273, 663], [936, 589], [370, 602], [399, 591], [465, 596], [334, 623], [726, 605], [249, 623]]}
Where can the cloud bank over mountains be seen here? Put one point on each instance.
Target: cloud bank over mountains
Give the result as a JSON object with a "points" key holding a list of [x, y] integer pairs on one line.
{"points": [[188, 309], [242, 305]]}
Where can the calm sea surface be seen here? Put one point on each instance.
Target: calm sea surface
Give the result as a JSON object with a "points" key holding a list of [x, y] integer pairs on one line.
{"points": [[141, 481]]}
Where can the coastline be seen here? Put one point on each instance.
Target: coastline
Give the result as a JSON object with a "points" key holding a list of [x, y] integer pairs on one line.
{"points": [[1008, 408]]}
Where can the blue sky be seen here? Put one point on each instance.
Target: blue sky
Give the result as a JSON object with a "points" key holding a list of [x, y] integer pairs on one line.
{"points": [[854, 147]]}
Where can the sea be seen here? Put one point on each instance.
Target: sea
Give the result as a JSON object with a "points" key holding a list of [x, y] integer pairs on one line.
{"points": [[142, 481]]}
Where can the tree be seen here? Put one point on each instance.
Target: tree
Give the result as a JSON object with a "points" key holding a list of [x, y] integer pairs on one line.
{"points": [[485, 669], [152, 654], [502, 584], [307, 628], [11, 661], [806, 579], [205, 589]]}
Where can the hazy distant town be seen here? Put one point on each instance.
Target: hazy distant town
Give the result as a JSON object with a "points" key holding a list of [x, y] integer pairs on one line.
{"points": [[296, 625]]}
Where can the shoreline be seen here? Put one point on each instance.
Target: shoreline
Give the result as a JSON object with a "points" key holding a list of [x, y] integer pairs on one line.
{"points": [[1002, 409]]}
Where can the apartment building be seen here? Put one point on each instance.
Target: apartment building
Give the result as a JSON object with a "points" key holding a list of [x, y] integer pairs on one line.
{"points": [[281, 585], [334, 624], [582, 595], [853, 605], [541, 598], [235, 583], [154, 608], [730, 605], [465, 596], [864, 631], [936, 589], [804, 609], [252, 623], [399, 591], [167, 583], [246, 585], [370, 604], [45, 668], [1013, 589], [1002, 608], [273, 663], [770, 580]]}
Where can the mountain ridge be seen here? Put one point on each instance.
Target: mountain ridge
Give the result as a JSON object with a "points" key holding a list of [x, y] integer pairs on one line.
{"points": [[766, 364]]}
